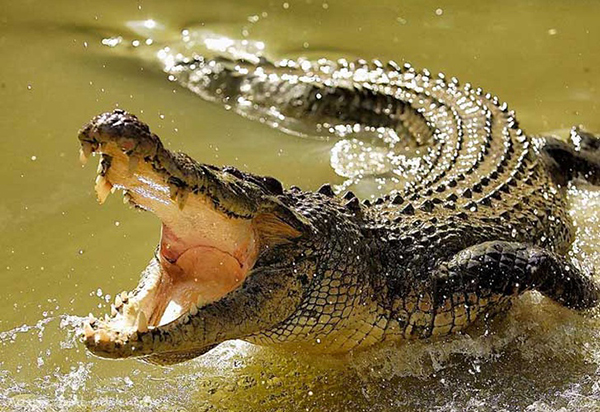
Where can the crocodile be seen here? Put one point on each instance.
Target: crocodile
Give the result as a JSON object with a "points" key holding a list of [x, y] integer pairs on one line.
{"points": [[482, 220]]}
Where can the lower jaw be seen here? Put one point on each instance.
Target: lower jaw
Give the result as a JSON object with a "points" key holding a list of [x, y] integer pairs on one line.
{"points": [[168, 296]]}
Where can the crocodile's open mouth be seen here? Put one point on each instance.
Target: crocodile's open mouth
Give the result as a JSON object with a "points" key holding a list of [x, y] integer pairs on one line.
{"points": [[212, 234], [203, 253]]}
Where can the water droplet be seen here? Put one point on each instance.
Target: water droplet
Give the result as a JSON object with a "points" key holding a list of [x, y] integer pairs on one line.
{"points": [[150, 24], [112, 41]]}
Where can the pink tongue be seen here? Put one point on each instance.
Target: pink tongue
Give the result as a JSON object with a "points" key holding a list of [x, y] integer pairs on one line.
{"points": [[204, 272]]}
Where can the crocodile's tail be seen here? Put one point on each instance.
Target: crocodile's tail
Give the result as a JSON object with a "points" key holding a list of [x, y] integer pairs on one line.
{"points": [[579, 158]]}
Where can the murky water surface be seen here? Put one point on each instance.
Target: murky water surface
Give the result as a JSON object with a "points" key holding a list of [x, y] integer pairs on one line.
{"points": [[62, 255]]}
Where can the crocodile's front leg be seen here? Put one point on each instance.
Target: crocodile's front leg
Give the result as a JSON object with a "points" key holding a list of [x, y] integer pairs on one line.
{"points": [[480, 278]]}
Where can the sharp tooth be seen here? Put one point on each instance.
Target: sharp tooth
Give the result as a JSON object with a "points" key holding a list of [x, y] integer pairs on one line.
{"points": [[103, 188], [103, 194], [118, 301], [106, 318], [84, 152], [100, 168], [82, 157], [194, 310], [91, 318], [113, 310], [142, 322], [126, 198], [88, 332], [124, 297]]}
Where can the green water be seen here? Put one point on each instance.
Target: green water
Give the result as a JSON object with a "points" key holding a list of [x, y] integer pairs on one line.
{"points": [[61, 253]]}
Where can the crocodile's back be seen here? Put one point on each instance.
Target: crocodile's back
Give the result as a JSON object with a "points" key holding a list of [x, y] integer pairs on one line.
{"points": [[476, 176], [484, 178]]}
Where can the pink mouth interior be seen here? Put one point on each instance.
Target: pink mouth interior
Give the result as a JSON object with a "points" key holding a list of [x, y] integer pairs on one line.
{"points": [[196, 274]]}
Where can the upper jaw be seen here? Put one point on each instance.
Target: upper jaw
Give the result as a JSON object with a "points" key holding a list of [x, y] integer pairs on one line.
{"points": [[230, 191], [126, 142]]}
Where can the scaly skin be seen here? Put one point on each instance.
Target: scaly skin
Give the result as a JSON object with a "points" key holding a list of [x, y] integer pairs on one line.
{"points": [[482, 221]]}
